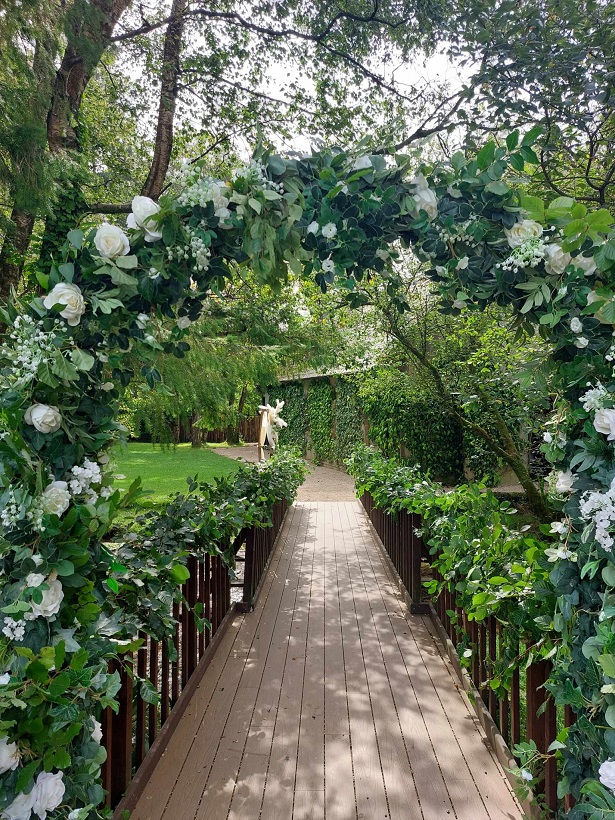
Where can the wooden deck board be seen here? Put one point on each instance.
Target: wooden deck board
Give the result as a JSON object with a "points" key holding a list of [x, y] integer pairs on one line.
{"points": [[328, 702]]}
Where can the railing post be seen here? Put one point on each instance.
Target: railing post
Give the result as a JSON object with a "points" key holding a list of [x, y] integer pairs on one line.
{"points": [[117, 739], [542, 728]]}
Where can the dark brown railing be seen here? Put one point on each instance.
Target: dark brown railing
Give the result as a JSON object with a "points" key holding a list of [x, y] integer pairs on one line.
{"points": [[397, 533], [526, 712], [137, 735]]}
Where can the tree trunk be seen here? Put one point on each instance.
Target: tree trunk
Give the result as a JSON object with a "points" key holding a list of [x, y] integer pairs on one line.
{"points": [[233, 430], [12, 256], [196, 434], [168, 101]]}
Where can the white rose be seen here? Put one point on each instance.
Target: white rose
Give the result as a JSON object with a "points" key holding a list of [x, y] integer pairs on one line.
{"points": [[606, 773], [426, 200], [183, 323], [56, 498], [462, 263], [581, 342], [49, 790], [34, 579], [44, 417], [71, 298], [329, 230], [143, 209], [312, 227], [586, 263], [576, 325], [9, 756], [97, 731], [556, 259], [21, 807], [547, 437], [564, 482], [523, 231], [50, 605], [328, 265], [111, 241], [604, 422], [361, 163]]}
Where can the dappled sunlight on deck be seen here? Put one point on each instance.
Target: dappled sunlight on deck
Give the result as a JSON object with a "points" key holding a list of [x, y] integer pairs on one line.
{"points": [[328, 701]]}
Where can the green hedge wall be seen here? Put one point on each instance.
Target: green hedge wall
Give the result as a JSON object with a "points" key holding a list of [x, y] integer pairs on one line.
{"points": [[295, 413], [348, 419], [320, 414]]}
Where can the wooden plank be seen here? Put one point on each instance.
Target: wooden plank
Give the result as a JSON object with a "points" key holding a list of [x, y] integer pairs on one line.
{"points": [[370, 792], [339, 776]]}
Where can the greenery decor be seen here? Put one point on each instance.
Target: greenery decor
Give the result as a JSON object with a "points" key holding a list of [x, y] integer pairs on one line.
{"points": [[336, 217], [295, 414], [320, 414]]}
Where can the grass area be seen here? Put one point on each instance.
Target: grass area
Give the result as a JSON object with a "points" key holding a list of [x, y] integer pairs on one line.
{"points": [[163, 470]]}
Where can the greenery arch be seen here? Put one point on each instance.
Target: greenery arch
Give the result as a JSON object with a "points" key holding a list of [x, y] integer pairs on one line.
{"points": [[338, 218]]}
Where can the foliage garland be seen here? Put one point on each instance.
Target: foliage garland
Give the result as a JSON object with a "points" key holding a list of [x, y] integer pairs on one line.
{"points": [[335, 217]]}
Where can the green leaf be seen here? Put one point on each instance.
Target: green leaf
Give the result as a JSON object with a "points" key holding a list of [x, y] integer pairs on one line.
{"points": [[25, 776], [75, 238], [63, 369], [486, 155], [534, 206], [532, 135], [113, 585], [560, 207], [179, 573], [512, 140], [607, 662], [67, 270], [118, 277], [127, 262], [81, 359], [255, 205], [497, 187], [609, 716]]}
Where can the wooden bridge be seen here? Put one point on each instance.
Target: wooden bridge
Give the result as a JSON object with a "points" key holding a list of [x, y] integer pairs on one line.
{"points": [[329, 701]]}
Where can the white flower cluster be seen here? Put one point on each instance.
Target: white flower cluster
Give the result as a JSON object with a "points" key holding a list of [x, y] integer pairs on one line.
{"points": [[459, 233], [527, 255], [199, 250], [255, 173], [594, 398], [30, 345], [14, 630], [599, 509], [12, 512], [86, 475]]}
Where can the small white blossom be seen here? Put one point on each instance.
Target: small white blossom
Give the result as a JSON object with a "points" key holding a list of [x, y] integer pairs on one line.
{"points": [[581, 342], [564, 482], [576, 325], [328, 265], [329, 230], [14, 630], [312, 227]]}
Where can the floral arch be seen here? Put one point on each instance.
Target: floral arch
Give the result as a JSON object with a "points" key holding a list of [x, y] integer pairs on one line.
{"points": [[337, 218]]}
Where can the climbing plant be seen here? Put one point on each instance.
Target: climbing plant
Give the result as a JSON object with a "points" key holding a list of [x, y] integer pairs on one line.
{"points": [[295, 414], [337, 218], [320, 414], [347, 418]]}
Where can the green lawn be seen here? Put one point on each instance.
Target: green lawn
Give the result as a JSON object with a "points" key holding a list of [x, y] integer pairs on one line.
{"points": [[163, 471]]}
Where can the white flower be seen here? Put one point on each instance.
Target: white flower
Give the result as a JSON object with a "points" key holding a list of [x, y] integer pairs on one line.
{"points": [[604, 422], [426, 200], [49, 790], [9, 756], [586, 263], [592, 297], [71, 298], [462, 263], [329, 230], [142, 320], [143, 209], [183, 323], [559, 527], [111, 241], [547, 437], [564, 482], [581, 342], [107, 386], [556, 259], [361, 163], [14, 630], [97, 731], [526, 775], [56, 498], [4, 679], [44, 417], [21, 807], [522, 231], [467, 653], [34, 579], [419, 182], [312, 227], [328, 265], [606, 773], [576, 325], [560, 554], [50, 605]]}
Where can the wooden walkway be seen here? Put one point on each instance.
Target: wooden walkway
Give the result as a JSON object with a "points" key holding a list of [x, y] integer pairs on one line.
{"points": [[328, 701]]}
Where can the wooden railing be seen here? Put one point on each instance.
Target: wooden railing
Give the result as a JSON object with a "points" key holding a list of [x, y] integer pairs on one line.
{"points": [[404, 547], [138, 733], [523, 714]]}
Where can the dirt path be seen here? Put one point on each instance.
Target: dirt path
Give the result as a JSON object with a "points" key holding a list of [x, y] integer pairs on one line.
{"points": [[324, 483]]}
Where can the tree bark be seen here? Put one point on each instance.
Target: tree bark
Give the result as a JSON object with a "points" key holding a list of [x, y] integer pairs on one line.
{"points": [[168, 101], [196, 434], [233, 430]]}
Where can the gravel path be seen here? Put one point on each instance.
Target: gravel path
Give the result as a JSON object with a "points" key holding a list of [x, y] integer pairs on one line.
{"points": [[324, 483]]}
